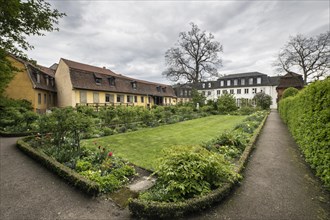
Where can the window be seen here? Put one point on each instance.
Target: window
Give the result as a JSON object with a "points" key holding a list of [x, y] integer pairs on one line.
{"points": [[181, 92], [203, 85], [235, 82], [128, 98], [47, 80], [98, 81], [262, 90], [164, 89], [185, 92], [52, 81], [135, 99], [109, 98], [231, 91], [246, 91], [189, 93], [250, 81], [39, 98], [158, 88], [208, 93], [112, 81], [149, 99], [45, 99], [120, 99], [221, 83], [210, 85], [38, 78], [254, 90], [224, 91], [259, 80], [96, 97], [218, 92], [243, 82], [83, 97], [238, 91], [228, 82], [134, 85], [142, 99], [203, 93]]}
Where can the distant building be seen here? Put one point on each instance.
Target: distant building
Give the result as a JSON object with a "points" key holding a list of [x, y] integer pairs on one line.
{"points": [[82, 84], [35, 84], [183, 92], [243, 86], [289, 80]]}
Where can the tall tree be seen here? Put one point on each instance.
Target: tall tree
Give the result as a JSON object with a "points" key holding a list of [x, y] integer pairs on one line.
{"points": [[19, 19], [194, 58], [310, 56]]}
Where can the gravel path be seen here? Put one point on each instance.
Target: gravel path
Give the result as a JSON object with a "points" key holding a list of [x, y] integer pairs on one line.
{"points": [[29, 191], [277, 185]]}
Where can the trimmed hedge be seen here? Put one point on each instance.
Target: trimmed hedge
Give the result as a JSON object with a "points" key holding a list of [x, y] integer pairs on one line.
{"points": [[308, 118], [9, 134], [61, 170], [153, 209]]}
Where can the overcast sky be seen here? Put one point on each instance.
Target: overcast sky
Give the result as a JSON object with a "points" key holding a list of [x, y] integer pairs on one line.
{"points": [[131, 38]]}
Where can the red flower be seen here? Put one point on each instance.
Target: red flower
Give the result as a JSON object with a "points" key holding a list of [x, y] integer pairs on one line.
{"points": [[110, 154]]}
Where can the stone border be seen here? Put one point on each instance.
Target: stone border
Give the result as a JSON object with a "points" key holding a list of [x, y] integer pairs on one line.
{"points": [[69, 175], [153, 209]]}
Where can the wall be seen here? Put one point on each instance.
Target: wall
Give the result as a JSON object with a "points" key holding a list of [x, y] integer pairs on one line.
{"points": [[65, 94]]}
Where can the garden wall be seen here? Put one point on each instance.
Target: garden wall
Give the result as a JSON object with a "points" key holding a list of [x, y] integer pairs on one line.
{"points": [[308, 118]]}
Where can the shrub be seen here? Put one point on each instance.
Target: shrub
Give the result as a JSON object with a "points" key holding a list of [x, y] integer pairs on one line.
{"points": [[187, 172], [263, 100], [289, 92], [308, 117], [226, 103]]}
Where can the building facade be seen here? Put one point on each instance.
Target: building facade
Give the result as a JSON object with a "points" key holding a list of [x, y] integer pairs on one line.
{"points": [[35, 84], [289, 80], [82, 84], [242, 86]]}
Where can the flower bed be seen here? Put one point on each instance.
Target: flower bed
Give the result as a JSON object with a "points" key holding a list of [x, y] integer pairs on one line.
{"points": [[153, 204]]}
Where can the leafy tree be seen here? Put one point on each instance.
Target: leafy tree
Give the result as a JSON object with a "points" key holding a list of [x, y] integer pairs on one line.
{"points": [[19, 19], [194, 58], [289, 92], [263, 100], [197, 97], [311, 56], [226, 103]]}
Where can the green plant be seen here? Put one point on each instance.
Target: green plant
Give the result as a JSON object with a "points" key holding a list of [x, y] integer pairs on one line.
{"points": [[187, 172], [263, 100], [291, 91], [226, 103]]}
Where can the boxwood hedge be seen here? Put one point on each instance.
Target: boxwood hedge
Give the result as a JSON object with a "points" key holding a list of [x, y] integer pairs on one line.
{"points": [[308, 118], [61, 170]]}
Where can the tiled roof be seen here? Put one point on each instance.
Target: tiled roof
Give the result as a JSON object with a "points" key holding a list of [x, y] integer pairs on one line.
{"points": [[83, 77], [291, 80], [48, 71], [33, 71], [240, 75]]}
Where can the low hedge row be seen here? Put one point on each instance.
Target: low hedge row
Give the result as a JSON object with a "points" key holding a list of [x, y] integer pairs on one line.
{"points": [[61, 170], [307, 115], [153, 209], [9, 134]]}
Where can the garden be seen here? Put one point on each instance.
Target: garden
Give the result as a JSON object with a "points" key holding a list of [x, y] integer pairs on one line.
{"points": [[191, 152]]}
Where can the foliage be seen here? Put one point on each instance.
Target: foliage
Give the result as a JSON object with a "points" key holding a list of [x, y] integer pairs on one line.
{"points": [[187, 172], [289, 92], [309, 56], [263, 100], [6, 71], [197, 98], [308, 117], [246, 110], [226, 103], [195, 57]]}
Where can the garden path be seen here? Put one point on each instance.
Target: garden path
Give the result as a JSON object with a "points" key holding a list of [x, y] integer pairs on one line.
{"points": [[277, 183]]}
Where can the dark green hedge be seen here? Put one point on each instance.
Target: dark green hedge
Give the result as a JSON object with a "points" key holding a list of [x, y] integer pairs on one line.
{"points": [[7, 134], [64, 172], [153, 210], [308, 118]]}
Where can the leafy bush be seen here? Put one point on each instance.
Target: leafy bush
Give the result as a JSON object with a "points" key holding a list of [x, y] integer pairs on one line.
{"points": [[187, 172], [289, 92], [226, 103], [307, 115], [263, 100]]}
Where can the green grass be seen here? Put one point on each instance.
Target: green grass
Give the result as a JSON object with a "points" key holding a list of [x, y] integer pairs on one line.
{"points": [[144, 146]]}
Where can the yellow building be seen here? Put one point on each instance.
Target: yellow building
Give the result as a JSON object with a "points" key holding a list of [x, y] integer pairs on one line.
{"points": [[34, 84], [82, 84]]}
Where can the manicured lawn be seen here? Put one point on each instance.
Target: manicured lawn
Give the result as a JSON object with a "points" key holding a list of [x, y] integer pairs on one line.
{"points": [[144, 146]]}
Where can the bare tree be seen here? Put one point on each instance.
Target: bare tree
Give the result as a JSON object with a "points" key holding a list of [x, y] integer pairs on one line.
{"points": [[194, 58], [310, 56]]}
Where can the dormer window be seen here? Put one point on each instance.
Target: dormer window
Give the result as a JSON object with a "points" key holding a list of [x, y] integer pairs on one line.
{"points": [[250, 81], [164, 89], [259, 80], [98, 79], [47, 80], [210, 85], [52, 81], [228, 82], [221, 83], [112, 81], [38, 78], [203, 85], [158, 88], [235, 82], [134, 86]]}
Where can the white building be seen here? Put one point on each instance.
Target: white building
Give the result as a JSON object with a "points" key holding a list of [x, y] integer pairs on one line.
{"points": [[242, 85]]}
